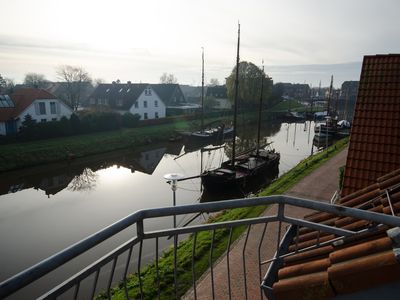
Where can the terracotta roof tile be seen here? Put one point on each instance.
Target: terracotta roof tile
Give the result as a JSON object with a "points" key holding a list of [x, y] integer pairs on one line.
{"points": [[350, 264], [375, 137]]}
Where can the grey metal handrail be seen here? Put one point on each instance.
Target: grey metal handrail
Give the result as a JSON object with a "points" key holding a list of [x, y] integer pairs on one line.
{"points": [[37, 271]]}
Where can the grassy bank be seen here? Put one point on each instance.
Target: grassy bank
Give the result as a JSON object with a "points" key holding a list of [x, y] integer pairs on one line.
{"points": [[28, 154], [184, 252], [14, 156]]}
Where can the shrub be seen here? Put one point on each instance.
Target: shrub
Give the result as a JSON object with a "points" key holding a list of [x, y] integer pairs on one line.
{"points": [[129, 120]]}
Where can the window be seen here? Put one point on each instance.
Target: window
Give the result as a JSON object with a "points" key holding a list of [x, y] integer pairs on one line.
{"points": [[156, 115], [145, 104], [54, 119], [155, 103], [43, 120], [120, 102], [147, 92], [145, 116], [136, 104], [53, 108], [42, 108]]}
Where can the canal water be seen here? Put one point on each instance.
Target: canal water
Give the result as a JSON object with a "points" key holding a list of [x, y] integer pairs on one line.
{"points": [[47, 208]]}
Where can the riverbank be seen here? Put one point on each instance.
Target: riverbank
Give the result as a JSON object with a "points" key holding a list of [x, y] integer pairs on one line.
{"points": [[28, 154], [203, 239]]}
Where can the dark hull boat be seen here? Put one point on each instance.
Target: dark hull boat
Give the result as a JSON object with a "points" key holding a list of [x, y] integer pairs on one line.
{"points": [[210, 135], [247, 169], [242, 170]]}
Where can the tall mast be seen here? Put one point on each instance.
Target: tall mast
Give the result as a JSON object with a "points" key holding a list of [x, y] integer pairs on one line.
{"points": [[329, 97], [202, 90], [236, 102], [259, 110]]}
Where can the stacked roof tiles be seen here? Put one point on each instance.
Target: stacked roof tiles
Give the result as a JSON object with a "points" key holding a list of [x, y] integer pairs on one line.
{"points": [[374, 148], [350, 264]]}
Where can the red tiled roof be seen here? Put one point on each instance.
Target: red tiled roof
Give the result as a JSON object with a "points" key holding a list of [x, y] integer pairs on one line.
{"points": [[22, 98], [351, 265], [374, 148]]}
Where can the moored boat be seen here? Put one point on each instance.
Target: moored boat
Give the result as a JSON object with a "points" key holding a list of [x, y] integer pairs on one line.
{"points": [[242, 169]]}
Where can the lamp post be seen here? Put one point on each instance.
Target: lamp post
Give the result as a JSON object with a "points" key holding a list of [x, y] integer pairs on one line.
{"points": [[173, 179]]}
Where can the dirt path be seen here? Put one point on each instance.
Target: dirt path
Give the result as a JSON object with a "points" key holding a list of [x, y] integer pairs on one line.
{"points": [[319, 185]]}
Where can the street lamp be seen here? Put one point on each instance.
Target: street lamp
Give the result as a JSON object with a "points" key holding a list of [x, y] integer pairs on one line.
{"points": [[173, 179]]}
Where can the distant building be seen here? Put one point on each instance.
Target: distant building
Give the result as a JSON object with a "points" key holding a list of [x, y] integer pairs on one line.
{"points": [[296, 91], [38, 103], [150, 101], [192, 94], [219, 94]]}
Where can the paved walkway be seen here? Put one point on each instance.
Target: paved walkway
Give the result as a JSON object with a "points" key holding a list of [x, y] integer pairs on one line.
{"points": [[320, 184]]}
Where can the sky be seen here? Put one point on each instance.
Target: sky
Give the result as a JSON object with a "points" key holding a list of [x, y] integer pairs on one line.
{"points": [[300, 41]]}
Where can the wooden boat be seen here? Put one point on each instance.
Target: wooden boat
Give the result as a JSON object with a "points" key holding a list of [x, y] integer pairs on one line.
{"points": [[211, 134], [241, 170]]}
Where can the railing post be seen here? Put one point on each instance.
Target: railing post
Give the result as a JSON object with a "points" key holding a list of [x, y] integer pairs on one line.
{"points": [[281, 215], [140, 229]]}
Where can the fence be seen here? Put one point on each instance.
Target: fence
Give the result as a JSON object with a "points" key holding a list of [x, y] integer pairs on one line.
{"points": [[71, 285]]}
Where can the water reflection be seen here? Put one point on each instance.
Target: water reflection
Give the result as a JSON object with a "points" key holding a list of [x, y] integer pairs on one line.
{"points": [[80, 174], [90, 193]]}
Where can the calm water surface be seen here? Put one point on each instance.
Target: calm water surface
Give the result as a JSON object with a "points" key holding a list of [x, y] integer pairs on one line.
{"points": [[45, 209]]}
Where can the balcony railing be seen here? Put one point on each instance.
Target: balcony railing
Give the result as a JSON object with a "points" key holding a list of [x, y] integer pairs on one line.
{"points": [[70, 287]]}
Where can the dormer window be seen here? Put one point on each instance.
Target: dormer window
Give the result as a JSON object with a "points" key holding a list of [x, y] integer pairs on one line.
{"points": [[147, 92]]}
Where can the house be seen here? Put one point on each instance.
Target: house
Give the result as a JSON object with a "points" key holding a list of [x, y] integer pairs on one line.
{"points": [[38, 103], [150, 101], [219, 94]]}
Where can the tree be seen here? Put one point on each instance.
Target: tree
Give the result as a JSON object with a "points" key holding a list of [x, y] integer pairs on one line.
{"points": [[168, 78], [213, 82], [35, 80], [210, 103], [6, 85], [76, 79], [98, 81], [249, 85]]}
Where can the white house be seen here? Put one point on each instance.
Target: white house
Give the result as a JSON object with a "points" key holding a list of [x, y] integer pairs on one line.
{"points": [[39, 104], [150, 101], [148, 105]]}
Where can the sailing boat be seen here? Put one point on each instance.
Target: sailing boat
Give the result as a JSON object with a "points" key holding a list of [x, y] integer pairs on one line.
{"points": [[239, 171], [211, 134]]}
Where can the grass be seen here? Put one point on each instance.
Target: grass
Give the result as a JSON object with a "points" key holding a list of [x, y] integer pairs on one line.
{"points": [[203, 239], [286, 105], [19, 155]]}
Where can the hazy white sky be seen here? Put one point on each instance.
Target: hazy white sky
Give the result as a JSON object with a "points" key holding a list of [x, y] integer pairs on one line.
{"points": [[299, 40]]}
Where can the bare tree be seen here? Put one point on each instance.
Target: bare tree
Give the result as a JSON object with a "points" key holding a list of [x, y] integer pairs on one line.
{"points": [[98, 81], [35, 80], [6, 85], [84, 182], [213, 82], [76, 78], [168, 78]]}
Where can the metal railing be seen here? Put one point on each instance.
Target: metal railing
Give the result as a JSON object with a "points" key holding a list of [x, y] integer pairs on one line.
{"points": [[72, 284]]}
